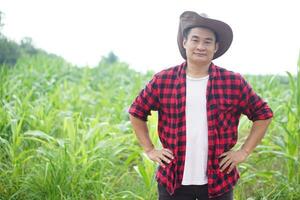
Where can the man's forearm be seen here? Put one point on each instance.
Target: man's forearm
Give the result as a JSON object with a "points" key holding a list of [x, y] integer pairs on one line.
{"points": [[141, 130], [161, 156], [257, 132]]}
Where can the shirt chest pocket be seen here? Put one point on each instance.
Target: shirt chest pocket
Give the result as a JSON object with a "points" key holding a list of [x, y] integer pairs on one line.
{"points": [[226, 115]]}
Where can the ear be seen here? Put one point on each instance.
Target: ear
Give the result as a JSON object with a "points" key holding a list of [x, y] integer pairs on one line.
{"points": [[184, 42], [216, 47]]}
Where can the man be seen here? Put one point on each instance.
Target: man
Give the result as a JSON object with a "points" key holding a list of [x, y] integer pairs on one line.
{"points": [[199, 105]]}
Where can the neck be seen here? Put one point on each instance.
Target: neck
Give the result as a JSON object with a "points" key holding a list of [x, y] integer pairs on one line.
{"points": [[197, 70]]}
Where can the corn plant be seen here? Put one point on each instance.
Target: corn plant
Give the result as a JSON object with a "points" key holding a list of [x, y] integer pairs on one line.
{"points": [[65, 134]]}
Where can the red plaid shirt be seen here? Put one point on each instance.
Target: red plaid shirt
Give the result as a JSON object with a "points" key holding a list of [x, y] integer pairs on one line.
{"points": [[228, 96]]}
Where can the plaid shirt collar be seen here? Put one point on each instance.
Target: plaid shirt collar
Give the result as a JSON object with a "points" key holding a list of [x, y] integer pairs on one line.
{"points": [[212, 71]]}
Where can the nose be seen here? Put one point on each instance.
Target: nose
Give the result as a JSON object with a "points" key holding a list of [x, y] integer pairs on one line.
{"points": [[201, 46]]}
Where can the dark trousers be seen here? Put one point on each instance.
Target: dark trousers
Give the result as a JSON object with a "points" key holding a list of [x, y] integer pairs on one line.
{"points": [[191, 192]]}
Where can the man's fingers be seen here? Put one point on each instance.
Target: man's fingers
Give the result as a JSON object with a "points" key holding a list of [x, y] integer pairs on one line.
{"points": [[161, 157], [168, 154], [158, 160], [224, 154], [167, 151], [231, 167], [226, 164], [165, 159], [231, 159], [224, 160]]}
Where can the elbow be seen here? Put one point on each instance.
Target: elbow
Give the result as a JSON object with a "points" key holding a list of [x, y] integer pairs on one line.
{"points": [[135, 118]]}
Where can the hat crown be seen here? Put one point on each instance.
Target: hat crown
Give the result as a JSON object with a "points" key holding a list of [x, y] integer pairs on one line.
{"points": [[204, 15]]}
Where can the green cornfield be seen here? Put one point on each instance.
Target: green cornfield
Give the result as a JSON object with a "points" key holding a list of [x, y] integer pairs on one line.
{"points": [[65, 134]]}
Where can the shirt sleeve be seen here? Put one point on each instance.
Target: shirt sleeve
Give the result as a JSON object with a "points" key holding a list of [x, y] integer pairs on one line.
{"points": [[252, 105], [146, 101]]}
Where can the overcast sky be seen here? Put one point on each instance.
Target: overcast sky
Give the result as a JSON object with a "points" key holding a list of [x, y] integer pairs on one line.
{"points": [[143, 33]]}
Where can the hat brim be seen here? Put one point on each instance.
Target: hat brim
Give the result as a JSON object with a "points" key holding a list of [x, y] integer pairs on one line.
{"points": [[223, 31]]}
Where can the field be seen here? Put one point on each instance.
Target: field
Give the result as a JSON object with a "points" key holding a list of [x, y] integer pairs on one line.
{"points": [[65, 134]]}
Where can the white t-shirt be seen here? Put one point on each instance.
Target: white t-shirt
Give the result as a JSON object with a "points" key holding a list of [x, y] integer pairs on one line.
{"points": [[195, 168]]}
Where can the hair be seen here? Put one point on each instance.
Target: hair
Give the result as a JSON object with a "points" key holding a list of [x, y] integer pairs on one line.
{"points": [[187, 31]]}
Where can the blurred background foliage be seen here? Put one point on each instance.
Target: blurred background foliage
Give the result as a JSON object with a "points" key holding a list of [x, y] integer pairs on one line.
{"points": [[65, 131]]}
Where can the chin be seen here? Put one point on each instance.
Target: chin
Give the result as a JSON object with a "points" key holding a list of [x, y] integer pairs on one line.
{"points": [[201, 60]]}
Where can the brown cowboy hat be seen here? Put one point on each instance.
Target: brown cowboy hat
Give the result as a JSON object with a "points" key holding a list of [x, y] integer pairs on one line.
{"points": [[190, 19]]}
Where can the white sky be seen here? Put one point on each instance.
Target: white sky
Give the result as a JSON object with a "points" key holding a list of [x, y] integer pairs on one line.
{"points": [[143, 33]]}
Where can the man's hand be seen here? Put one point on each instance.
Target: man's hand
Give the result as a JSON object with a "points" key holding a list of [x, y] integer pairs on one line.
{"points": [[231, 158], [160, 156]]}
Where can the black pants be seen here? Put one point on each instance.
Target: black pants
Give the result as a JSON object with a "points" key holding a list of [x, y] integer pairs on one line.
{"points": [[191, 192]]}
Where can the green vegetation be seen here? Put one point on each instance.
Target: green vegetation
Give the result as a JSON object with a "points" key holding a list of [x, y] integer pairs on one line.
{"points": [[10, 51], [65, 134]]}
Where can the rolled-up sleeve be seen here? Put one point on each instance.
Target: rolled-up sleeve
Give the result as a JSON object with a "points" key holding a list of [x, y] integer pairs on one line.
{"points": [[252, 105], [146, 101]]}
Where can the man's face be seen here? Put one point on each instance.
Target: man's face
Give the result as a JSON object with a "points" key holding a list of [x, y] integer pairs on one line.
{"points": [[200, 45]]}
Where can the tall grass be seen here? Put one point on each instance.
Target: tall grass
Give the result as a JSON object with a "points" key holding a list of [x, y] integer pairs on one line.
{"points": [[64, 131], [65, 134], [273, 171]]}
